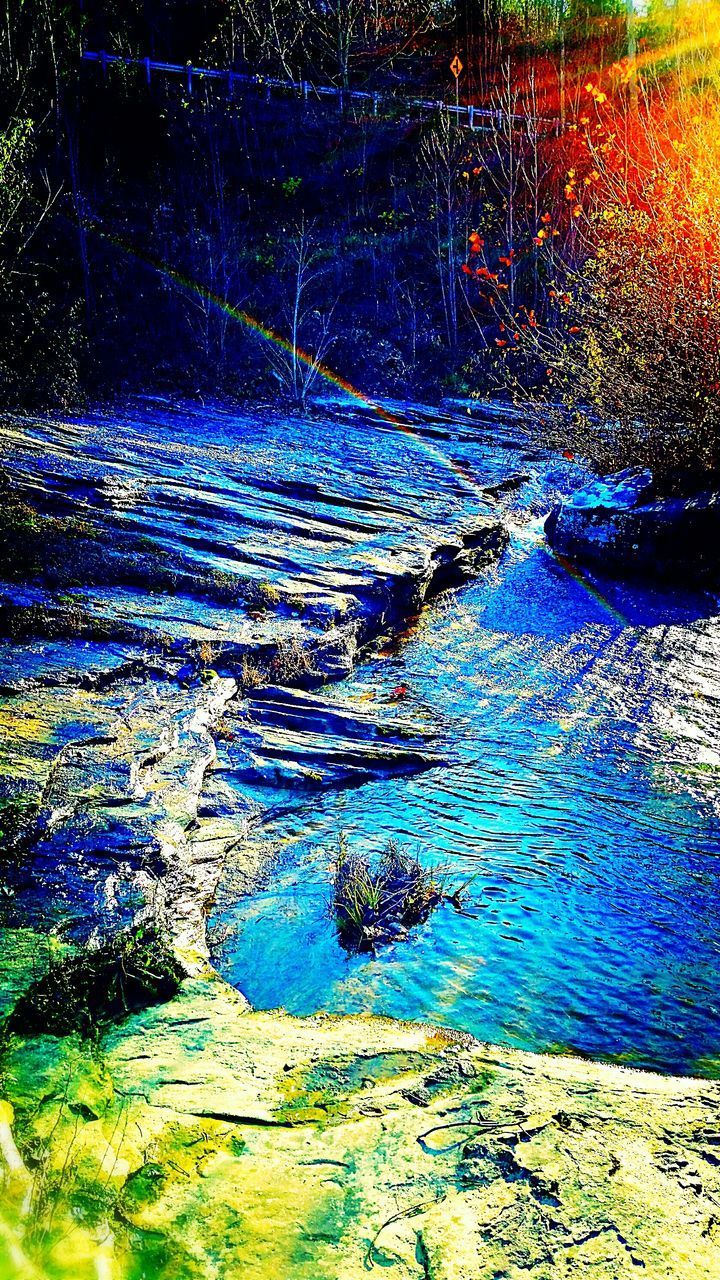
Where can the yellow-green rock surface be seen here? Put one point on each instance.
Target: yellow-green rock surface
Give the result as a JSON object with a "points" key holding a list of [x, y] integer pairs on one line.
{"points": [[201, 1139]]}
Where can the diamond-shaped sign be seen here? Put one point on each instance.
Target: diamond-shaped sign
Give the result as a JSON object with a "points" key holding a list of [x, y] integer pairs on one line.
{"points": [[456, 66]]}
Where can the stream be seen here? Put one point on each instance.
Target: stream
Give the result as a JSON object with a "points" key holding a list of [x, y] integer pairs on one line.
{"points": [[567, 798], [572, 772]]}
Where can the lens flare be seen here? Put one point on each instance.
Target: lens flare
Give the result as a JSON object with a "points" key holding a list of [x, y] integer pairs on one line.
{"points": [[269, 334], [574, 572]]}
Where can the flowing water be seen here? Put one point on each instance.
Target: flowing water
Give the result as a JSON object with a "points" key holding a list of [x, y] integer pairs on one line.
{"points": [[591, 845]]}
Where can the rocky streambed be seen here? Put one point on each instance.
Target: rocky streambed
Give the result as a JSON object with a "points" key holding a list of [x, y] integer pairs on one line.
{"points": [[182, 591]]}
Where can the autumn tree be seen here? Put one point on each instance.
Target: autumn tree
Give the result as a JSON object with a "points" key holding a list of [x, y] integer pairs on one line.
{"points": [[631, 338]]}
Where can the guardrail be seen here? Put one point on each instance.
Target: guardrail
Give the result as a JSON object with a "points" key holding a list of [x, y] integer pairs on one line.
{"points": [[470, 116]]}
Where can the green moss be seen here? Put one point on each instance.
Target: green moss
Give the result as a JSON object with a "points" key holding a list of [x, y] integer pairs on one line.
{"points": [[25, 957], [236, 1144], [322, 1090], [154, 1257], [143, 1188], [20, 534], [707, 1068]]}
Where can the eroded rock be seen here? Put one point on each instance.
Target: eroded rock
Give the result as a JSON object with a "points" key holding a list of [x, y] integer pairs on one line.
{"points": [[212, 1141]]}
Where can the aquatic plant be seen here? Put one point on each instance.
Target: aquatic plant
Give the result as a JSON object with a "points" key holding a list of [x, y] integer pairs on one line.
{"points": [[374, 903]]}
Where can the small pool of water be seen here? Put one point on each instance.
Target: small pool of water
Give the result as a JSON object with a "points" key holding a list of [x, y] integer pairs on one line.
{"points": [[594, 921]]}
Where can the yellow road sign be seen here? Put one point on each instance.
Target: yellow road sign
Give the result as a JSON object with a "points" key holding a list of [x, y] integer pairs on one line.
{"points": [[456, 66]]}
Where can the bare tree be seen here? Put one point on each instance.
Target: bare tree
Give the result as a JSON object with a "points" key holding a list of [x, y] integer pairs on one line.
{"points": [[307, 315], [441, 150], [293, 36]]}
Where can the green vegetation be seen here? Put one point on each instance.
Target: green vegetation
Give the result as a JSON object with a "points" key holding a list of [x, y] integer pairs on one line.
{"points": [[80, 993], [17, 818], [20, 534], [235, 588], [373, 904]]}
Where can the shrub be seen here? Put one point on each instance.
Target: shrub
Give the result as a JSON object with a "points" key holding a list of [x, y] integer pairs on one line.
{"points": [[206, 654], [624, 327], [131, 971], [292, 663], [227, 588], [251, 674], [635, 353], [374, 904]]}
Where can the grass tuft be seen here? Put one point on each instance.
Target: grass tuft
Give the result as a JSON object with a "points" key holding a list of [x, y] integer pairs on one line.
{"points": [[374, 903]]}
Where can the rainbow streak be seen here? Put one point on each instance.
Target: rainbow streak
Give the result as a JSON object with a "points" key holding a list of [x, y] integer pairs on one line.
{"points": [[578, 576], [265, 331], [270, 334]]}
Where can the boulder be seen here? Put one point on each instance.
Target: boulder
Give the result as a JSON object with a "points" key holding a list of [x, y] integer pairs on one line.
{"points": [[620, 524]]}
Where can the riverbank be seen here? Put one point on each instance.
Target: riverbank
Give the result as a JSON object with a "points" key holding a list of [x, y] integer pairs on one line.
{"points": [[200, 1138]]}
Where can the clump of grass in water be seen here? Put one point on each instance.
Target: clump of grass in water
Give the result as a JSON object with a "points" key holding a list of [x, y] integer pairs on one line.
{"points": [[373, 905]]}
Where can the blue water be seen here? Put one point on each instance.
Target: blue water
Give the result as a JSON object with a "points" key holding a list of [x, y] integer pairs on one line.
{"points": [[594, 898]]}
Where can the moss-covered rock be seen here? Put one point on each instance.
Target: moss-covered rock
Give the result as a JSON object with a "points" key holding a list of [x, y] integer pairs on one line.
{"points": [[199, 1139], [100, 984]]}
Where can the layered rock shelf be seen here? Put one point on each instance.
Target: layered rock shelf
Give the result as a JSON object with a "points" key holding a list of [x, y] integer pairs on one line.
{"points": [[177, 592], [182, 591]]}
